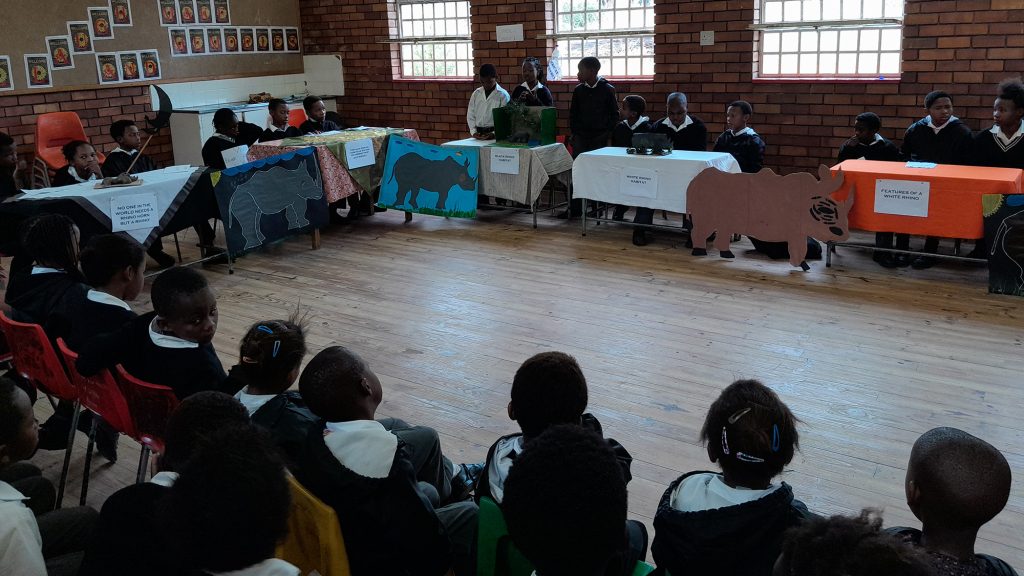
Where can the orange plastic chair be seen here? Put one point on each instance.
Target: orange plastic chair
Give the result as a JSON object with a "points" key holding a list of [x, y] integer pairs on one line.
{"points": [[296, 116], [54, 130], [35, 360], [150, 406], [5, 349], [314, 540]]}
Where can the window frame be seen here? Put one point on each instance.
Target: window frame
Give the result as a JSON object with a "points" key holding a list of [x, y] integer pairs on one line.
{"points": [[565, 38], [435, 42]]}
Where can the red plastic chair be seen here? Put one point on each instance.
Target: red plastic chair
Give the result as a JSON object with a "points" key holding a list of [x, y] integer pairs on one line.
{"points": [[54, 130], [296, 116], [5, 349], [101, 395], [35, 360], [151, 406]]}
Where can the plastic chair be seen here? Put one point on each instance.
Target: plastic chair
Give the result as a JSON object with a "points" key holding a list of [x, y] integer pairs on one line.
{"points": [[100, 395], [150, 406], [296, 116], [35, 360], [495, 553], [5, 349], [314, 540], [54, 130]]}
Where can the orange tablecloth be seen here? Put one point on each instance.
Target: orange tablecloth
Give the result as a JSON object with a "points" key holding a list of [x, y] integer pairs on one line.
{"points": [[954, 207]]}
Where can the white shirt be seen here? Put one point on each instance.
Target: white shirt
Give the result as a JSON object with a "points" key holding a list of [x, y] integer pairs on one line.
{"points": [[104, 298], [1006, 142], [165, 479], [269, 567], [746, 130], [253, 402], [504, 456], [167, 340], [708, 491], [362, 446], [21, 546], [128, 152], [668, 122], [46, 270], [74, 174], [594, 85], [638, 122], [223, 137], [938, 128], [481, 107]]}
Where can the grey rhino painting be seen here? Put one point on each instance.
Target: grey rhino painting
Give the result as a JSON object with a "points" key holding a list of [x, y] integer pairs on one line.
{"points": [[1004, 234], [428, 179], [414, 173]]}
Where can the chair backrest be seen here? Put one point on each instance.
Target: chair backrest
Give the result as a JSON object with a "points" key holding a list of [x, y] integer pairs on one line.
{"points": [[314, 540], [150, 406], [53, 130], [496, 554], [5, 349], [296, 116], [99, 393], [34, 359]]}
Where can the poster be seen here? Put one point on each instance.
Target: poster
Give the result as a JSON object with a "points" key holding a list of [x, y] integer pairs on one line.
{"points": [[129, 65], [430, 179], [37, 70], [186, 12], [247, 39], [277, 39], [134, 212], [231, 39], [197, 41], [121, 12], [214, 41], [149, 61], [59, 49], [6, 80], [292, 39], [107, 68], [179, 41], [81, 37], [902, 197], [222, 11], [263, 40], [99, 20], [1004, 237], [168, 12], [270, 199], [204, 11]]}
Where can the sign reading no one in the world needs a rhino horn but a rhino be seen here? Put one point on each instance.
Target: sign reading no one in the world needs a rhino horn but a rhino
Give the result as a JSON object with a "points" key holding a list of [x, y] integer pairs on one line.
{"points": [[430, 179]]}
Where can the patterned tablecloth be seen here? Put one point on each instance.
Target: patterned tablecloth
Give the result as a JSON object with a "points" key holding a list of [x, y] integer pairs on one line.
{"points": [[536, 166], [339, 181]]}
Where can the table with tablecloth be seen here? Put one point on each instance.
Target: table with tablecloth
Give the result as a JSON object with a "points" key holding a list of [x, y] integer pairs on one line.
{"points": [[537, 165], [339, 181]]}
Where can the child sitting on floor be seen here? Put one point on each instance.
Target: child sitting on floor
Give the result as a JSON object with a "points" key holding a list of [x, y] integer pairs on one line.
{"points": [[956, 483], [83, 164], [51, 244], [740, 140], [732, 522], [172, 345], [316, 117]]}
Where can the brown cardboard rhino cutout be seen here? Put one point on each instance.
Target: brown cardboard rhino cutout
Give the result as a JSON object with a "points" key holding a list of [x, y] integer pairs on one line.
{"points": [[768, 207]]}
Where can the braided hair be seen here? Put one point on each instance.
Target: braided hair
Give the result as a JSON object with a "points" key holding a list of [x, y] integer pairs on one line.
{"points": [[271, 351], [535, 62], [52, 240]]}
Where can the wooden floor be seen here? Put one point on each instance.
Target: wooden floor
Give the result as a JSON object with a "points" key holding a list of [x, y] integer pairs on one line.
{"points": [[446, 310]]}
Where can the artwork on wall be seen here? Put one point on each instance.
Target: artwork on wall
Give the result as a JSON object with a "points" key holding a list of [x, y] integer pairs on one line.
{"points": [[231, 39], [292, 39], [263, 39], [81, 37], [186, 12], [59, 49], [277, 39], [430, 179], [204, 11], [196, 41], [214, 41], [99, 22], [107, 68], [1004, 236], [179, 41], [168, 12], [129, 66], [247, 39], [150, 63], [6, 80], [37, 70], [121, 12], [222, 11]]}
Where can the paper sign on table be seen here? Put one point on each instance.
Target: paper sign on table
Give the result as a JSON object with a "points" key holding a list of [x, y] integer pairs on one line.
{"points": [[133, 212], [902, 197], [639, 182], [359, 153], [235, 156], [505, 161]]}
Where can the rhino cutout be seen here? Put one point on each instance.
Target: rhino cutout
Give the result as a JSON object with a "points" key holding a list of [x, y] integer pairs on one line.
{"points": [[271, 192], [414, 174]]}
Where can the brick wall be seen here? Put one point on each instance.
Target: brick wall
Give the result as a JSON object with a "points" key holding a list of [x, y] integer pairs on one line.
{"points": [[965, 46]]}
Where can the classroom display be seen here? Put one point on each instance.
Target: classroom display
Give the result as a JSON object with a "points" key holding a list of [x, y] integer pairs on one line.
{"points": [[429, 179], [515, 123], [1004, 235]]}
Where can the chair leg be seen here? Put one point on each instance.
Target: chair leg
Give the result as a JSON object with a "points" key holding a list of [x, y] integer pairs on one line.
{"points": [[67, 456], [88, 460], [140, 476]]}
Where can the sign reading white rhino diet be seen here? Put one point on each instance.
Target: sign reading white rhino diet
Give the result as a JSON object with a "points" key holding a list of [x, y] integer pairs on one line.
{"points": [[505, 161], [133, 212], [639, 182], [359, 153], [902, 197]]}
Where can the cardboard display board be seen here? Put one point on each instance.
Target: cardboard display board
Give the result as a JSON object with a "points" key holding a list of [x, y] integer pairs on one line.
{"points": [[539, 127], [1004, 237], [429, 179]]}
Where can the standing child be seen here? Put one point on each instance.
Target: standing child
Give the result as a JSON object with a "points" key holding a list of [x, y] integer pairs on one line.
{"points": [[482, 103], [593, 114], [531, 92], [83, 164], [316, 117], [277, 123], [732, 522], [739, 139], [631, 112]]}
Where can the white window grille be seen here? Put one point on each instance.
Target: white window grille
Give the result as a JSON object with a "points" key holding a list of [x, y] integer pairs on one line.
{"points": [[434, 38], [620, 33]]}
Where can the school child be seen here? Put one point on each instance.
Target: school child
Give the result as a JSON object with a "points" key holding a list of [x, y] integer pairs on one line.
{"points": [[8, 167], [83, 165], [686, 133], [631, 112], [939, 137], [593, 114], [172, 345], [226, 137], [316, 117], [1000, 146], [956, 483], [565, 506], [277, 123], [51, 244], [531, 92], [739, 139], [128, 139], [732, 522], [54, 542], [363, 471], [482, 103], [129, 538]]}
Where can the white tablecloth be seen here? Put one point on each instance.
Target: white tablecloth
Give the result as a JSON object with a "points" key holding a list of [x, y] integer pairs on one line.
{"points": [[536, 166], [597, 175]]}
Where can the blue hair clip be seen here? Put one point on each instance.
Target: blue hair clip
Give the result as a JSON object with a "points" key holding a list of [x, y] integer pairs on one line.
{"points": [[775, 438], [263, 328], [277, 348]]}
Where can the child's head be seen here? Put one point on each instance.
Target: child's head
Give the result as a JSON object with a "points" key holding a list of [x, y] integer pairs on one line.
{"points": [[225, 122], [278, 111], [114, 261], [8, 154], [126, 134], [1009, 106], [198, 416], [632, 108], [751, 433], [79, 154], [587, 69], [271, 353], [185, 305], [532, 70], [488, 76], [229, 506], [52, 241], [339, 386], [548, 389], [940, 107], [565, 503], [19, 431], [675, 108], [315, 108], [866, 126], [848, 546], [737, 114], [956, 481]]}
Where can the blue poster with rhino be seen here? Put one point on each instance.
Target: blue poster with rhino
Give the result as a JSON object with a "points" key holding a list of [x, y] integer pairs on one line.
{"points": [[269, 199], [429, 179]]}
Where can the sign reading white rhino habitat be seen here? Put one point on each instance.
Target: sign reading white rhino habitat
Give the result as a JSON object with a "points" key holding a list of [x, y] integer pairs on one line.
{"points": [[505, 161], [902, 197], [639, 182], [133, 212]]}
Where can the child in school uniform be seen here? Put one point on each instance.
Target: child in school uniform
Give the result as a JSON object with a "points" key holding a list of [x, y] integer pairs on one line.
{"points": [[1000, 146], [8, 167], [51, 244], [172, 345], [732, 522], [482, 103], [956, 483], [226, 137], [277, 122], [83, 164], [316, 117], [593, 114], [631, 112], [531, 92], [739, 139]]}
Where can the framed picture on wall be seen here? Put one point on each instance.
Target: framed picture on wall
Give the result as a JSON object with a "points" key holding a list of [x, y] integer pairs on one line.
{"points": [[149, 61], [186, 12], [107, 68], [179, 41], [277, 39], [197, 41], [222, 11], [204, 11], [6, 79], [214, 41], [37, 70], [291, 39], [231, 39], [263, 40], [81, 37], [59, 49], [128, 62], [247, 39], [121, 12], [168, 12], [99, 20]]}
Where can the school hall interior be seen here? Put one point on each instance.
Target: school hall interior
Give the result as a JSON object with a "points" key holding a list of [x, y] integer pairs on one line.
{"points": [[445, 309]]}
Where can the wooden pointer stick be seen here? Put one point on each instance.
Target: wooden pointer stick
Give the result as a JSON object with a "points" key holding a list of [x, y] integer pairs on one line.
{"points": [[139, 155]]}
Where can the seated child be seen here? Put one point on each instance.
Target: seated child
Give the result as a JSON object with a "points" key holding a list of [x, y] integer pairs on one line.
{"points": [[531, 92], [565, 506], [52, 543], [128, 139], [548, 389], [8, 167], [363, 471], [277, 123], [704, 516], [484, 100], [956, 483], [593, 114], [172, 345], [226, 137], [631, 112], [1000, 146], [83, 164], [128, 538], [739, 139], [51, 243], [316, 117]]}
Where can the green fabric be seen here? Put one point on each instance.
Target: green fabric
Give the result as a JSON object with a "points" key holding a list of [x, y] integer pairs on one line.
{"points": [[368, 177], [496, 555]]}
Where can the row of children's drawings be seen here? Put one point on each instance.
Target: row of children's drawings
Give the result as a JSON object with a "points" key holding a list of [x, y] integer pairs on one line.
{"points": [[213, 40], [111, 68], [184, 12]]}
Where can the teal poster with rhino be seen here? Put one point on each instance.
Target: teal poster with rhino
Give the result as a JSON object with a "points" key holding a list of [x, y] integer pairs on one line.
{"points": [[270, 199], [429, 179]]}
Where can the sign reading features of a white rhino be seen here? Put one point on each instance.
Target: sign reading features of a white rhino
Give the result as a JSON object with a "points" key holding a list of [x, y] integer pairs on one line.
{"points": [[270, 199]]}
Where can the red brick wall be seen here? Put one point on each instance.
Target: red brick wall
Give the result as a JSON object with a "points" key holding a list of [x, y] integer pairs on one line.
{"points": [[964, 46]]}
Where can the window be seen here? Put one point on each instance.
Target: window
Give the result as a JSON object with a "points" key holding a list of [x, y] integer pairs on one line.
{"points": [[619, 32], [830, 38], [434, 38]]}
